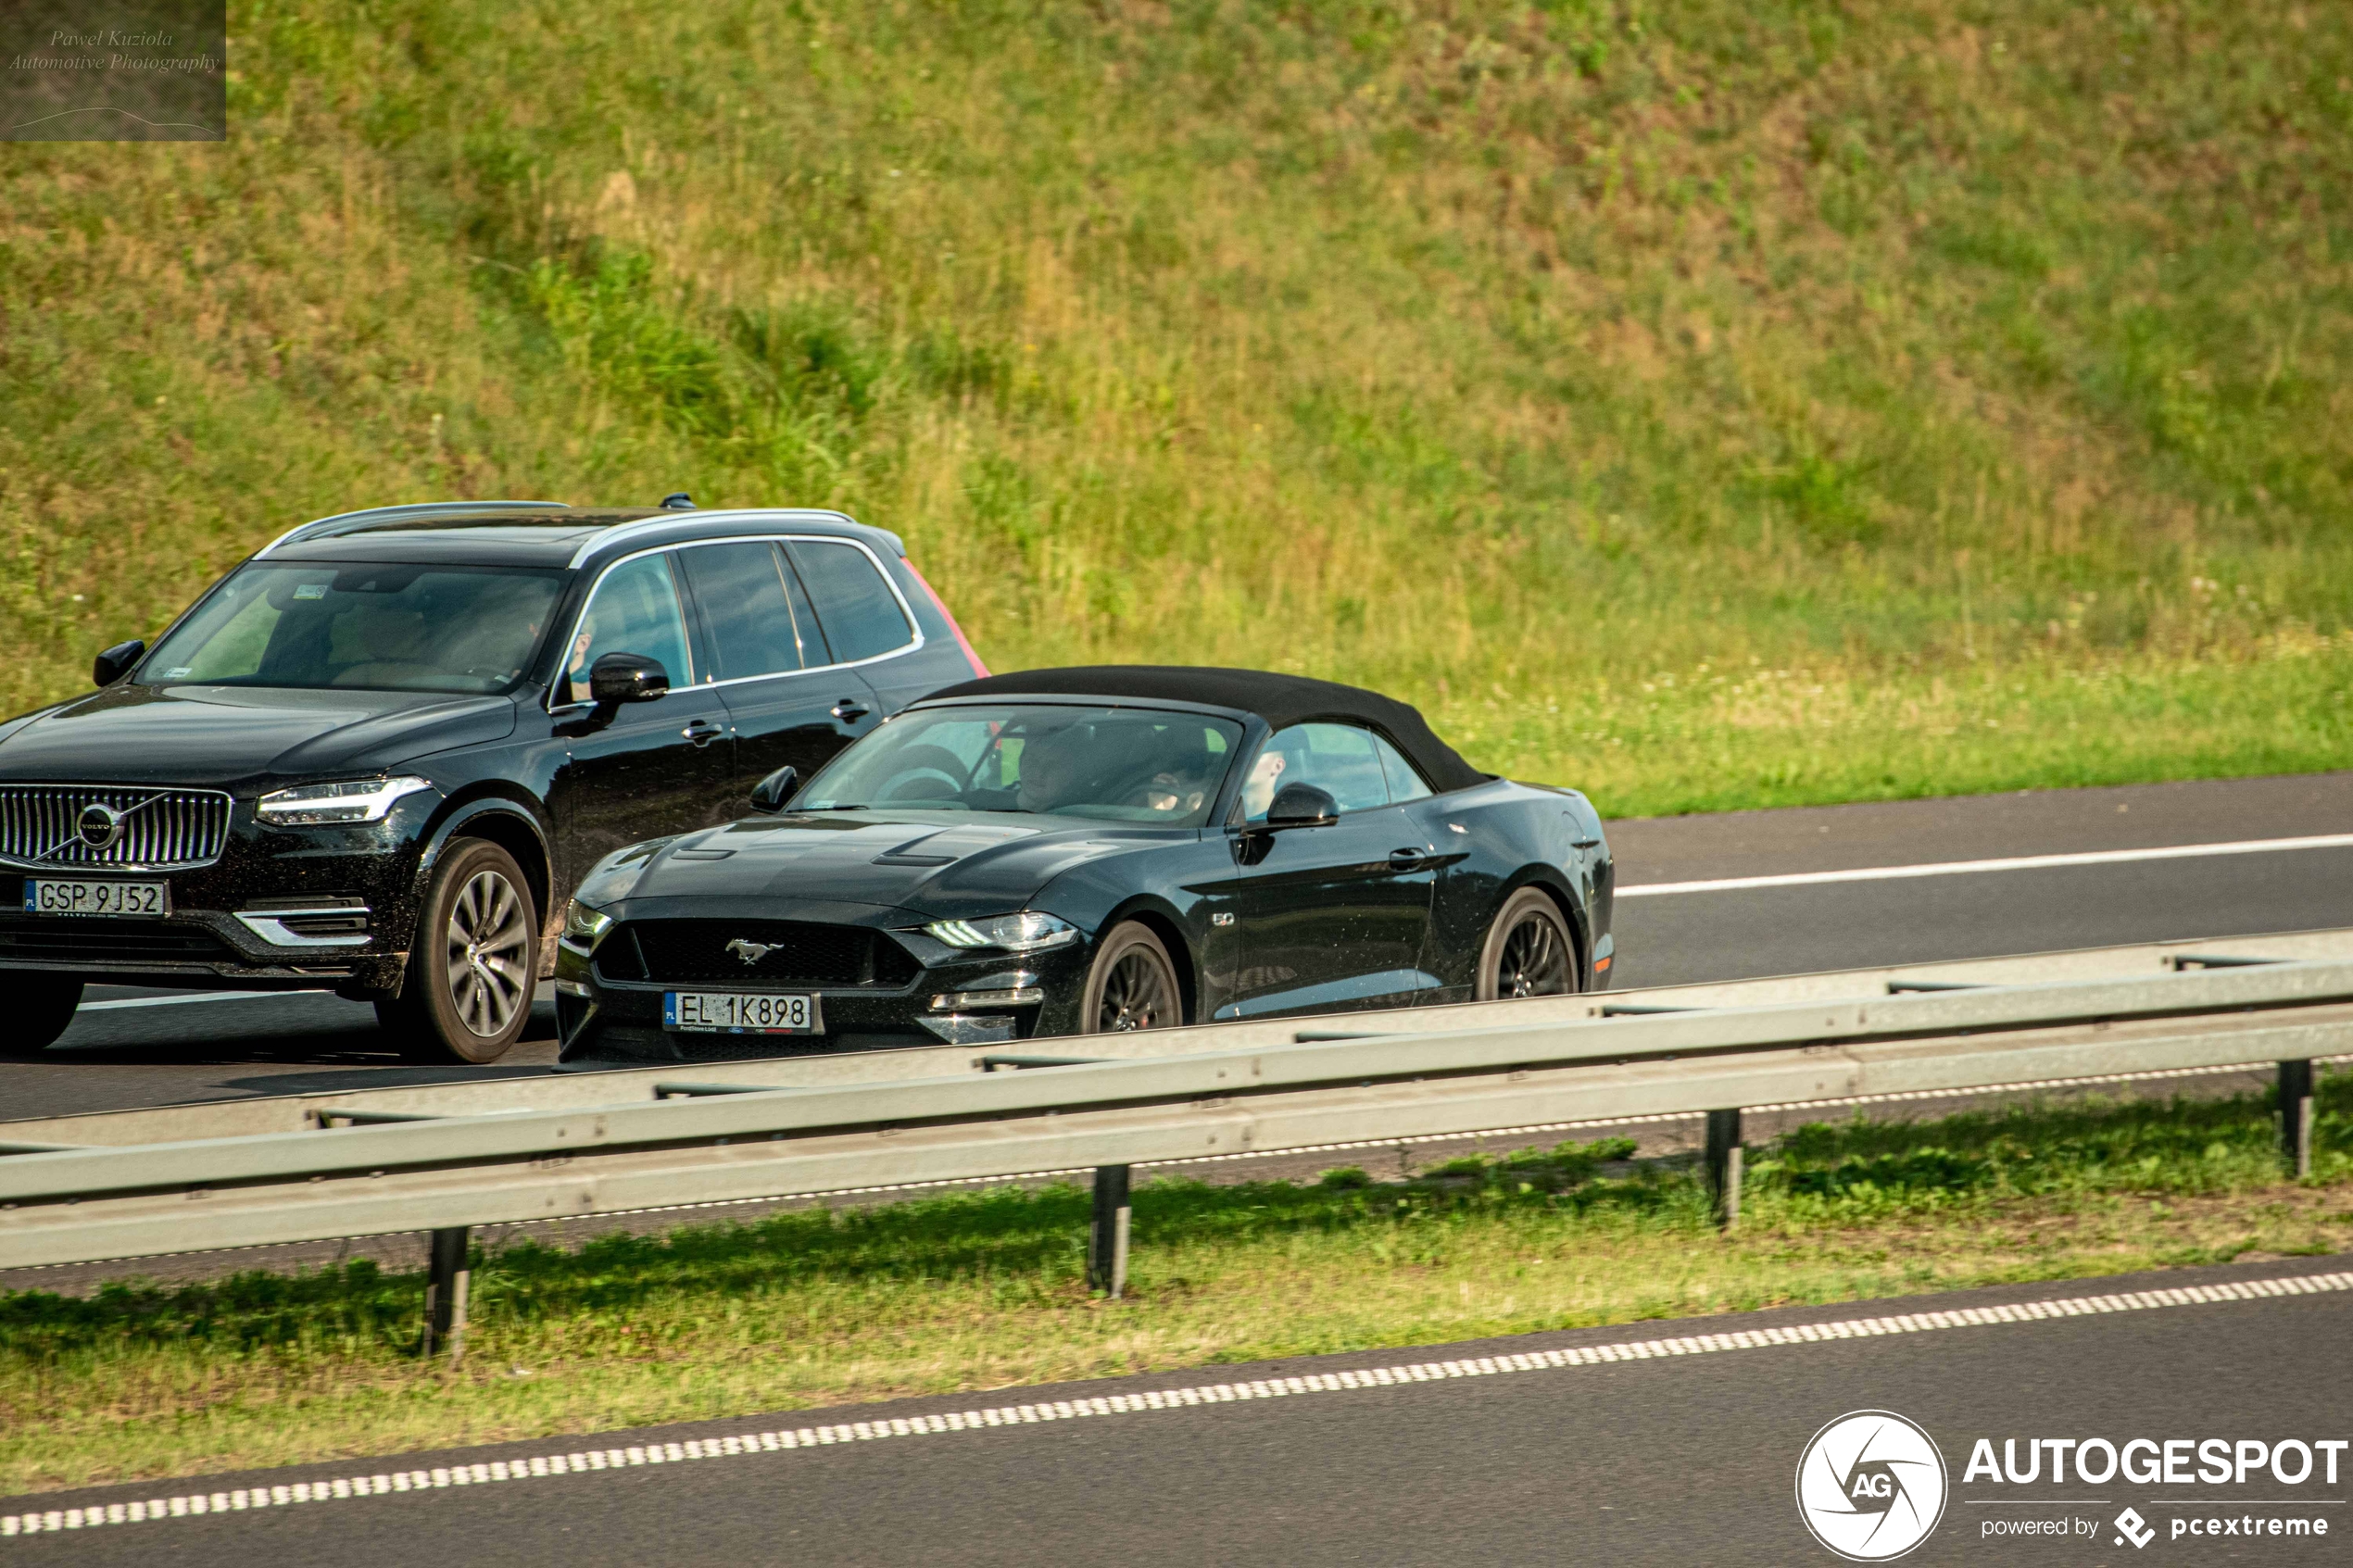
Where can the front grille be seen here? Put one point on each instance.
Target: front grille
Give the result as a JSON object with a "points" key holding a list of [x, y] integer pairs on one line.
{"points": [[158, 830], [91, 940], [800, 953]]}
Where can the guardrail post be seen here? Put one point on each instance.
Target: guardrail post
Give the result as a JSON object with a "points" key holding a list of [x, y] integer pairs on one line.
{"points": [[1107, 1237], [2296, 1117], [445, 1294], [1724, 1165]]}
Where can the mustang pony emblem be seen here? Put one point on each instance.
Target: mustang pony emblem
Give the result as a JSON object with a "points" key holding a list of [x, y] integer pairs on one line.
{"points": [[751, 952]]}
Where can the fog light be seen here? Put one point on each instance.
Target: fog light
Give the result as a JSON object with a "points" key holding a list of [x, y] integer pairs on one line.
{"points": [[958, 1001]]}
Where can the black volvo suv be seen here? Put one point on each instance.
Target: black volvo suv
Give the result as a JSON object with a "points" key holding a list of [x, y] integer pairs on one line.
{"points": [[378, 755]]}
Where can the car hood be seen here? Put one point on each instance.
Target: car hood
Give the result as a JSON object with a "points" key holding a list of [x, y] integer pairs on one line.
{"points": [[940, 865], [223, 736]]}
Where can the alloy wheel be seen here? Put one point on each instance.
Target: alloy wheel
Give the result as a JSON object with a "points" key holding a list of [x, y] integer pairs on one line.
{"points": [[488, 947], [1138, 993], [1534, 961]]}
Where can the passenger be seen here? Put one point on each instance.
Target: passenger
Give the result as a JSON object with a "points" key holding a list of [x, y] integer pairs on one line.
{"points": [[1172, 794], [1182, 787], [1258, 791]]}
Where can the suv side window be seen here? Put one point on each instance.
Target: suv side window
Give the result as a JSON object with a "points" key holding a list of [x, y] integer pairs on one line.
{"points": [[634, 610], [860, 613], [753, 612], [1338, 759], [1403, 782]]}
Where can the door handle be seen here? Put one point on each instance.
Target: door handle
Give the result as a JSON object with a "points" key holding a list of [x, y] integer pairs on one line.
{"points": [[1583, 843], [850, 711], [701, 732], [1408, 859]]}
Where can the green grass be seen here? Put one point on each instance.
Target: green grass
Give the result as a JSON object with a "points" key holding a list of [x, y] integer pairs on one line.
{"points": [[1723, 404], [964, 1294]]}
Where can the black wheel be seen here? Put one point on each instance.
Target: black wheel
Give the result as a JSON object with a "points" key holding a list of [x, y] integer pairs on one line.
{"points": [[38, 1007], [1132, 985], [1527, 952], [473, 962]]}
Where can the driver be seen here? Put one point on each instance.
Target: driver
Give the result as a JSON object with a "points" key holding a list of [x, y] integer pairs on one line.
{"points": [[1052, 765], [576, 661]]}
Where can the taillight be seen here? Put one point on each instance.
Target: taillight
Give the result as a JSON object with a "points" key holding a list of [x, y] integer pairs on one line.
{"points": [[980, 670]]}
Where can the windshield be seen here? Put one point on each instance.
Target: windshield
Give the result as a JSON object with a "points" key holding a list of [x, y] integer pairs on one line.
{"points": [[1112, 764], [381, 627]]}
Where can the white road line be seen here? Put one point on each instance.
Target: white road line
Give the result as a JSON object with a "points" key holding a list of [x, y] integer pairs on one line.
{"points": [[2014, 864], [186, 1504], [192, 997]]}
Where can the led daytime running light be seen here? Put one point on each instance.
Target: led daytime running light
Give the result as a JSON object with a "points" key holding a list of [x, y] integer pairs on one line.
{"points": [[357, 800], [1028, 931], [584, 926]]}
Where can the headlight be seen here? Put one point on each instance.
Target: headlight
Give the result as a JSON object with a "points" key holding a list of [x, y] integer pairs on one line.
{"points": [[360, 801], [584, 926], [1025, 932], [610, 879]]}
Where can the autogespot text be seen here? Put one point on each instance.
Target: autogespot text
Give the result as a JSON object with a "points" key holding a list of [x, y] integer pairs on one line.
{"points": [[2299, 1468]]}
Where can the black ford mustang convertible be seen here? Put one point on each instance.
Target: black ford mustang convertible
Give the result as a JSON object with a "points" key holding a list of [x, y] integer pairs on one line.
{"points": [[1071, 851]]}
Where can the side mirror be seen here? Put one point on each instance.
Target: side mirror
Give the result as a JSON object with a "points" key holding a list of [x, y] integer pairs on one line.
{"points": [[1301, 806], [617, 678], [771, 793], [116, 662]]}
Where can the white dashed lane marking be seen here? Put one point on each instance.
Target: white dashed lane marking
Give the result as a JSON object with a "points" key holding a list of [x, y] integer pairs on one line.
{"points": [[2014, 864], [580, 1461]]}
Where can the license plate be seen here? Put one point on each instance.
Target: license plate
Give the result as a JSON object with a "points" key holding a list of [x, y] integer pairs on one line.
{"points": [[740, 1012], [46, 897]]}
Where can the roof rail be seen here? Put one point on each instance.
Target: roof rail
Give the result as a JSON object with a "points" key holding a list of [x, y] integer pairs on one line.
{"points": [[318, 526], [633, 528]]}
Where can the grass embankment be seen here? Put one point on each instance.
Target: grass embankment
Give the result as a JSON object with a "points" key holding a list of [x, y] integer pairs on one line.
{"points": [[1720, 404], [971, 1293]]}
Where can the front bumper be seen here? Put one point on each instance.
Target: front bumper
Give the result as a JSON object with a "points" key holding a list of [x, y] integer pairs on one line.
{"points": [[281, 908], [956, 998]]}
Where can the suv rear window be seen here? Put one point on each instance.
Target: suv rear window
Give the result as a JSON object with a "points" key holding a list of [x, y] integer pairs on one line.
{"points": [[753, 609], [860, 613]]}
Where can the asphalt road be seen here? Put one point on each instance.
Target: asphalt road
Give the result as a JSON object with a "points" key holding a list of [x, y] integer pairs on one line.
{"points": [[125, 1052], [1684, 1458]]}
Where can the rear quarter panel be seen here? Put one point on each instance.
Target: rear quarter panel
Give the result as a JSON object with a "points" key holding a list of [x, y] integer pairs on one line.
{"points": [[1509, 835]]}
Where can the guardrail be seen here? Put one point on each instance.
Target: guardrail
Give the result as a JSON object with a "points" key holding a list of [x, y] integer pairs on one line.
{"points": [[748, 1142], [480, 1091]]}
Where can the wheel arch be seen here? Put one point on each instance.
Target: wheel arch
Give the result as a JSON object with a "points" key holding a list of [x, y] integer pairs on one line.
{"points": [[511, 826], [1553, 884], [1161, 921]]}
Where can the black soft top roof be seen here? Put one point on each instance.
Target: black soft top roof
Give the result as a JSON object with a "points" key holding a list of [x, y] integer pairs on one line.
{"points": [[1281, 700]]}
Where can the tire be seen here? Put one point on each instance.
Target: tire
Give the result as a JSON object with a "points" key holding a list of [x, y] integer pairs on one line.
{"points": [[473, 964], [1528, 951], [40, 1006], [1131, 984]]}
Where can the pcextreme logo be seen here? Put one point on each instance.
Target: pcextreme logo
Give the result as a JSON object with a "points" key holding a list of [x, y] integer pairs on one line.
{"points": [[1870, 1486]]}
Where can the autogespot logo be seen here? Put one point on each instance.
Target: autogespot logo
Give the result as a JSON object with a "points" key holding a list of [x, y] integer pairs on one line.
{"points": [[1870, 1486]]}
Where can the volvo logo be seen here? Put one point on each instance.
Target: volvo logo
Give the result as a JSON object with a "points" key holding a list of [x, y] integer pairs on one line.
{"points": [[751, 952], [100, 825]]}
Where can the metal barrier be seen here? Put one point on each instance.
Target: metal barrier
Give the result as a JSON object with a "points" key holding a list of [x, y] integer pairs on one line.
{"points": [[697, 1146]]}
